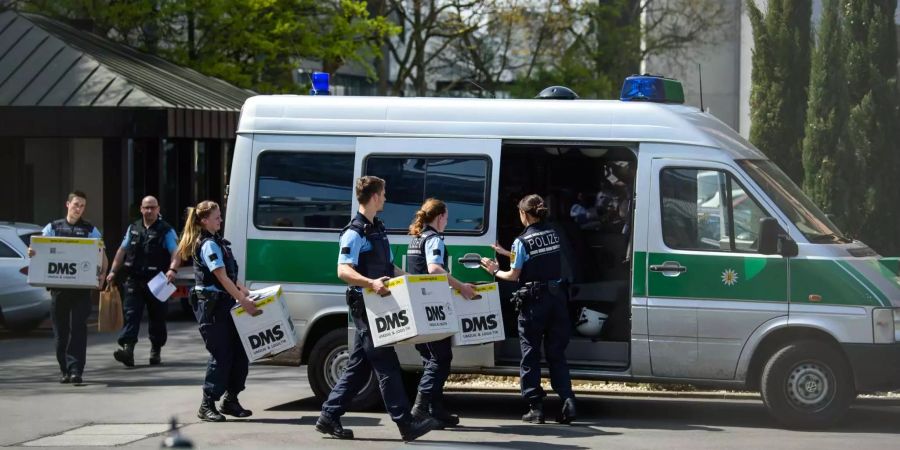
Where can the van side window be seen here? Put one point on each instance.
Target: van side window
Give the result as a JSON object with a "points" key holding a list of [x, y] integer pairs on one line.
{"points": [[461, 182], [7, 252], [707, 210], [303, 190]]}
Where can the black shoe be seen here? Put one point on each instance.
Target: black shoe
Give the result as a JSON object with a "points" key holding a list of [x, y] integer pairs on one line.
{"points": [[441, 414], [415, 429], [155, 355], [208, 411], [65, 379], [333, 428], [568, 414], [125, 355], [76, 379], [535, 413], [232, 407]]}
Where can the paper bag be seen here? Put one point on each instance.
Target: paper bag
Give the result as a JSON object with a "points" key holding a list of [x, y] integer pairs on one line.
{"points": [[109, 316]]}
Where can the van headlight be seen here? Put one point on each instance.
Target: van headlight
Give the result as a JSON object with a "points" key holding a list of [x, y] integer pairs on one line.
{"points": [[885, 325]]}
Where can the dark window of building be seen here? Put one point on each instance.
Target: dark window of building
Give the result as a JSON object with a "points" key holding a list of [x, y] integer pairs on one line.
{"points": [[303, 190]]}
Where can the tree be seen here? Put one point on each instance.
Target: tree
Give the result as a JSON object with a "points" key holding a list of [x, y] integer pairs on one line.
{"points": [[780, 78], [827, 163], [873, 118]]}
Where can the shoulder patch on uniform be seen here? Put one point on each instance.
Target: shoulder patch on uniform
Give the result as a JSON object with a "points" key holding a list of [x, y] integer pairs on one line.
{"points": [[436, 252], [213, 257], [345, 250]]}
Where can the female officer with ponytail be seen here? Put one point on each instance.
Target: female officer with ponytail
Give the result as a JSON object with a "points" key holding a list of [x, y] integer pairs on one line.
{"points": [[535, 262], [215, 293], [426, 254]]}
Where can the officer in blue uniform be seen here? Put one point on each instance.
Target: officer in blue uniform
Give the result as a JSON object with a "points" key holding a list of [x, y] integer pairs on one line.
{"points": [[365, 260], [146, 251], [535, 263], [426, 254], [215, 293], [70, 308]]}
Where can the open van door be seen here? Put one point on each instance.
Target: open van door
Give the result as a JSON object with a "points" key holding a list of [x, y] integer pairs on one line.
{"points": [[463, 173]]}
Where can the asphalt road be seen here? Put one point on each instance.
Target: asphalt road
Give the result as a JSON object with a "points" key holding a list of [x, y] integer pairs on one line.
{"points": [[130, 407]]}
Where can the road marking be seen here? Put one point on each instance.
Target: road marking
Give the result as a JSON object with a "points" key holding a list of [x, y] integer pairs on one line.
{"points": [[101, 435]]}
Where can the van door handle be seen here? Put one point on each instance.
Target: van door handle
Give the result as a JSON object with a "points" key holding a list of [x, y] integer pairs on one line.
{"points": [[669, 268]]}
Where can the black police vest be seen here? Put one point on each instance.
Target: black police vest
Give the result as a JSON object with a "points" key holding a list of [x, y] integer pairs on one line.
{"points": [[147, 253], [203, 277], [544, 258], [416, 259], [374, 263], [62, 228]]}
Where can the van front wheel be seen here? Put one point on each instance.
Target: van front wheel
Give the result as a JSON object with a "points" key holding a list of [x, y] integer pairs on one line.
{"points": [[327, 361], [807, 384]]}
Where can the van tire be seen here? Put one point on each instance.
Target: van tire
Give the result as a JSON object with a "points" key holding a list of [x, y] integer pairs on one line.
{"points": [[807, 384], [327, 359]]}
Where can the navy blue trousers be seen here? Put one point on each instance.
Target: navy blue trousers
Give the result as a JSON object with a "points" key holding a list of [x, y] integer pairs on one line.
{"points": [[228, 366], [69, 309], [545, 322], [436, 358], [137, 297]]}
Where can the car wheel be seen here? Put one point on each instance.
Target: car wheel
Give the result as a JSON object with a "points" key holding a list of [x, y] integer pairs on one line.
{"points": [[807, 384], [327, 362]]}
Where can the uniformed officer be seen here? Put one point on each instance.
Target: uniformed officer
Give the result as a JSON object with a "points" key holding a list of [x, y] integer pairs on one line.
{"points": [[215, 293], [426, 254], [535, 263], [146, 250], [365, 261], [70, 308]]}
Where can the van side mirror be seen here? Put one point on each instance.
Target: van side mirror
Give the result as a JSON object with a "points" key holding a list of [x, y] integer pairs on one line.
{"points": [[470, 261], [774, 241]]}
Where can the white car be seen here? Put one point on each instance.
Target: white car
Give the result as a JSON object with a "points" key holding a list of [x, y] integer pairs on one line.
{"points": [[22, 307]]}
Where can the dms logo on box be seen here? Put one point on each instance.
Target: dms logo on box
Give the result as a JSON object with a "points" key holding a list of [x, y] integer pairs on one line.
{"points": [[56, 268], [266, 337], [392, 321], [435, 313], [479, 323]]}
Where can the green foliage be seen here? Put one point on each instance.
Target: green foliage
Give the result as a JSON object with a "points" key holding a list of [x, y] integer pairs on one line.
{"points": [[781, 66]]}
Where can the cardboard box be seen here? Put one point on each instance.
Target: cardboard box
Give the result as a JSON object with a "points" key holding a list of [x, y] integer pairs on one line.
{"points": [[64, 262], [418, 310], [480, 319], [269, 333]]}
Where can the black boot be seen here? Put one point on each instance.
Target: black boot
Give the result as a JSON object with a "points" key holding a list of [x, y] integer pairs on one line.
{"points": [[441, 414], [422, 407], [535, 412], [208, 411], [76, 379], [333, 428], [415, 428], [125, 355], [155, 355], [65, 379], [568, 414], [232, 407]]}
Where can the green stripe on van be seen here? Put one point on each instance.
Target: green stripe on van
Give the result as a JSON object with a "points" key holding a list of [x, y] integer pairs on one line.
{"points": [[835, 281], [639, 280], [315, 262], [713, 277]]}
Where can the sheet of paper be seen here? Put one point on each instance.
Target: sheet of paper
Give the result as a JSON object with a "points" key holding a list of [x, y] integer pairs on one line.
{"points": [[160, 287]]}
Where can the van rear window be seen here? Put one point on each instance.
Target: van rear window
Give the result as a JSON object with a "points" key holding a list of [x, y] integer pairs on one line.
{"points": [[303, 190]]}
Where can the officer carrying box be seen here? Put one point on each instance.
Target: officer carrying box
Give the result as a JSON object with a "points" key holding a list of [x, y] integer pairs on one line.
{"points": [[365, 261], [146, 250], [535, 263]]}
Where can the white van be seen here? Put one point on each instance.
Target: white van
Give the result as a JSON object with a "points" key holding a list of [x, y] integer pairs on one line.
{"points": [[759, 291]]}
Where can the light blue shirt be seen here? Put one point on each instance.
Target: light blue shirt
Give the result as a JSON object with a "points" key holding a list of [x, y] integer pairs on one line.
{"points": [[48, 232], [434, 251], [213, 258], [519, 255], [352, 244], [171, 240]]}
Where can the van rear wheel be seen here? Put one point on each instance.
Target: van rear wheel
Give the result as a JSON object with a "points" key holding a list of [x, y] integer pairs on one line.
{"points": [[327, 362], [807, 384]]}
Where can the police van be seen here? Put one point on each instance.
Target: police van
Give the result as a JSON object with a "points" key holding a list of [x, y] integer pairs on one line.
{"points": [[711, 267]]}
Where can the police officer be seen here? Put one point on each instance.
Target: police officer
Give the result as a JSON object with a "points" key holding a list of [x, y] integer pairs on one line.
{"points": [[365, 260], [70, 308], [543, 317], [215, 293], [146, 250], [426, 254]]}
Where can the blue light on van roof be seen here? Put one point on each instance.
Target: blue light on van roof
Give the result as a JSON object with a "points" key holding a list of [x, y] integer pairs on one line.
{"points": [[319, 84], [650, 88]]}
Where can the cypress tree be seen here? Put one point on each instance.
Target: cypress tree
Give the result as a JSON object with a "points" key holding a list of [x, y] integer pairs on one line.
{"points": [[780, 78], [826, 162]]}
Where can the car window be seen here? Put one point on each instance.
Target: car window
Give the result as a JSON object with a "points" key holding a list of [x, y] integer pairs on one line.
{"points": [[26, 238], [303, 190], [460, 182], [7, 252], [708, 210]]}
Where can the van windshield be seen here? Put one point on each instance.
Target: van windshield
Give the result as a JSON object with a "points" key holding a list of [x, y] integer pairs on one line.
{"points": [[798, 208]]}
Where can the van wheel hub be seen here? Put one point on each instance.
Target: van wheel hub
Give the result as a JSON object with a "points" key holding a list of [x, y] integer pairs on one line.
{"points": [[810, 386], [335, 364]]}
